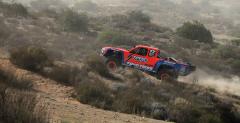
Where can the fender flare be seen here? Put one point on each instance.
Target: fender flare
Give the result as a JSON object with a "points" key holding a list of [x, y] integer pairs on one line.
{"points": [[115, 54], [163, 65]]}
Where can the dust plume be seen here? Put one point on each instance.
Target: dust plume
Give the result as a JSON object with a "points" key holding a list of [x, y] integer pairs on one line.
{"points": [[221, 84]]}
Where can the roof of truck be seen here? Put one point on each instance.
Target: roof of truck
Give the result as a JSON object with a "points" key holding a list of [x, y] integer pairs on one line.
{"points": [[147, 46]]}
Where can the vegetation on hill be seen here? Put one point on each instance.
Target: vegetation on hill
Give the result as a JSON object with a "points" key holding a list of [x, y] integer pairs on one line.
{"points": [[139, 16], [73, 21], [116, 37], [13, 10], [30, 58], [134, 94], [86, 5], [4, 32], [18, 104], [165, 101], [195, 31]]}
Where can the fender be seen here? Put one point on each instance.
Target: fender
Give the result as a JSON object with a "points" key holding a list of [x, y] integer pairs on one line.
{"points": [[119, 55], [161, 63]]}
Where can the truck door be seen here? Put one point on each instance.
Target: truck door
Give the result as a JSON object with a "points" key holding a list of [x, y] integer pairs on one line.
{"points": [[152, 58], [137, 58]]}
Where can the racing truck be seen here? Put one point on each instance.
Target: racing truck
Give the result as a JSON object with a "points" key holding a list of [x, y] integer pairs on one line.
{"points": [[148, 59]]}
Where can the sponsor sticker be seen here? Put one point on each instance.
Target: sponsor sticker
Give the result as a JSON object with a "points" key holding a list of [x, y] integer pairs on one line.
{"points": [[140, 59], [138, 66]]}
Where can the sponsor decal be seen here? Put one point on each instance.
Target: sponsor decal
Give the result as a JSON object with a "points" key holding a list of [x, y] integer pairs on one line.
{"points": [[140, 59], [138, 66]]}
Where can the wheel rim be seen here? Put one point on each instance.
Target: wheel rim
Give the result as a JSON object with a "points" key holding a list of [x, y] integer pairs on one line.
{"points": [[165, 76], [112, 65]]}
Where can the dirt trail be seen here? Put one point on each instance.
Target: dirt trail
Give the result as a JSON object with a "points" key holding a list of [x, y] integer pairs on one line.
{"points": [[63, 108]]}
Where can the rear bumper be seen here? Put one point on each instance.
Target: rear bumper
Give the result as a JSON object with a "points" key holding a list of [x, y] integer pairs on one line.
{"points": [[187, 70]]}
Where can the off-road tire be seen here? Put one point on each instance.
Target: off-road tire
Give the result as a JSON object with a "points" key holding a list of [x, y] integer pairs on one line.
{"points": [[112, 64], [166, 75]]}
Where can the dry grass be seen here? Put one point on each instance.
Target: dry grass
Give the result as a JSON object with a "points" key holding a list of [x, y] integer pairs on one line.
{"points": [[19, 107], [18, 101], [11, 81]]}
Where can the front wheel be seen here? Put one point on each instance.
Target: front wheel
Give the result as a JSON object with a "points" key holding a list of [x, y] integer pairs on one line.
{"points": [[112, 65], [166, 75]]}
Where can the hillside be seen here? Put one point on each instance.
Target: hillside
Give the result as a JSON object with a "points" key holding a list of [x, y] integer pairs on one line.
{"points": [[49, 58], [62, 107]]}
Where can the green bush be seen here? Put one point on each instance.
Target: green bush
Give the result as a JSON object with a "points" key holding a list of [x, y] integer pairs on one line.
{"points": [[94, 93], [116, 37], [195, 31], [14, 9], [139, 16], [30, 58], [73, 21]]}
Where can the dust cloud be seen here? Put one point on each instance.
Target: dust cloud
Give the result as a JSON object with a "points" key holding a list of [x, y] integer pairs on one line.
{"points": [[230, 85]]}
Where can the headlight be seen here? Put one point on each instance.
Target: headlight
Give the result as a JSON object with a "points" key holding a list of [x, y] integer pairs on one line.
{"points": [[103, 51]]}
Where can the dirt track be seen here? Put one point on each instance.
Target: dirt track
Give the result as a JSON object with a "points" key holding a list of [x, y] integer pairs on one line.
{"points": [[63, 108]]}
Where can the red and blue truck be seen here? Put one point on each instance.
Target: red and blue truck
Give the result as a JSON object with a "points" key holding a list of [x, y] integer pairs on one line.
{"points": [[148, 59]]}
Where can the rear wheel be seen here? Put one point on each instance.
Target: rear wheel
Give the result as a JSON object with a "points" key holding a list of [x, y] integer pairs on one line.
{"points": [[166, 75]]}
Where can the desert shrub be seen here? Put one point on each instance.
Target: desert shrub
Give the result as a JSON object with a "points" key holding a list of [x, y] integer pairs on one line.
{"points": [[136, 75], [64, 74], [86, 5], [236, 42], [19, 107], [227, 51], [4, 32], [116, 37], [210, 118], [139, 16], [235, 65], [52, 13], [14, 9], [73, 21], [17, 83], [185, 114], [186, 43], [94, 93], [228, 112], [135, 100], [195, 31], [96, 64], [154, 28], [47, 4], [30, 58], [120, 21]]}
